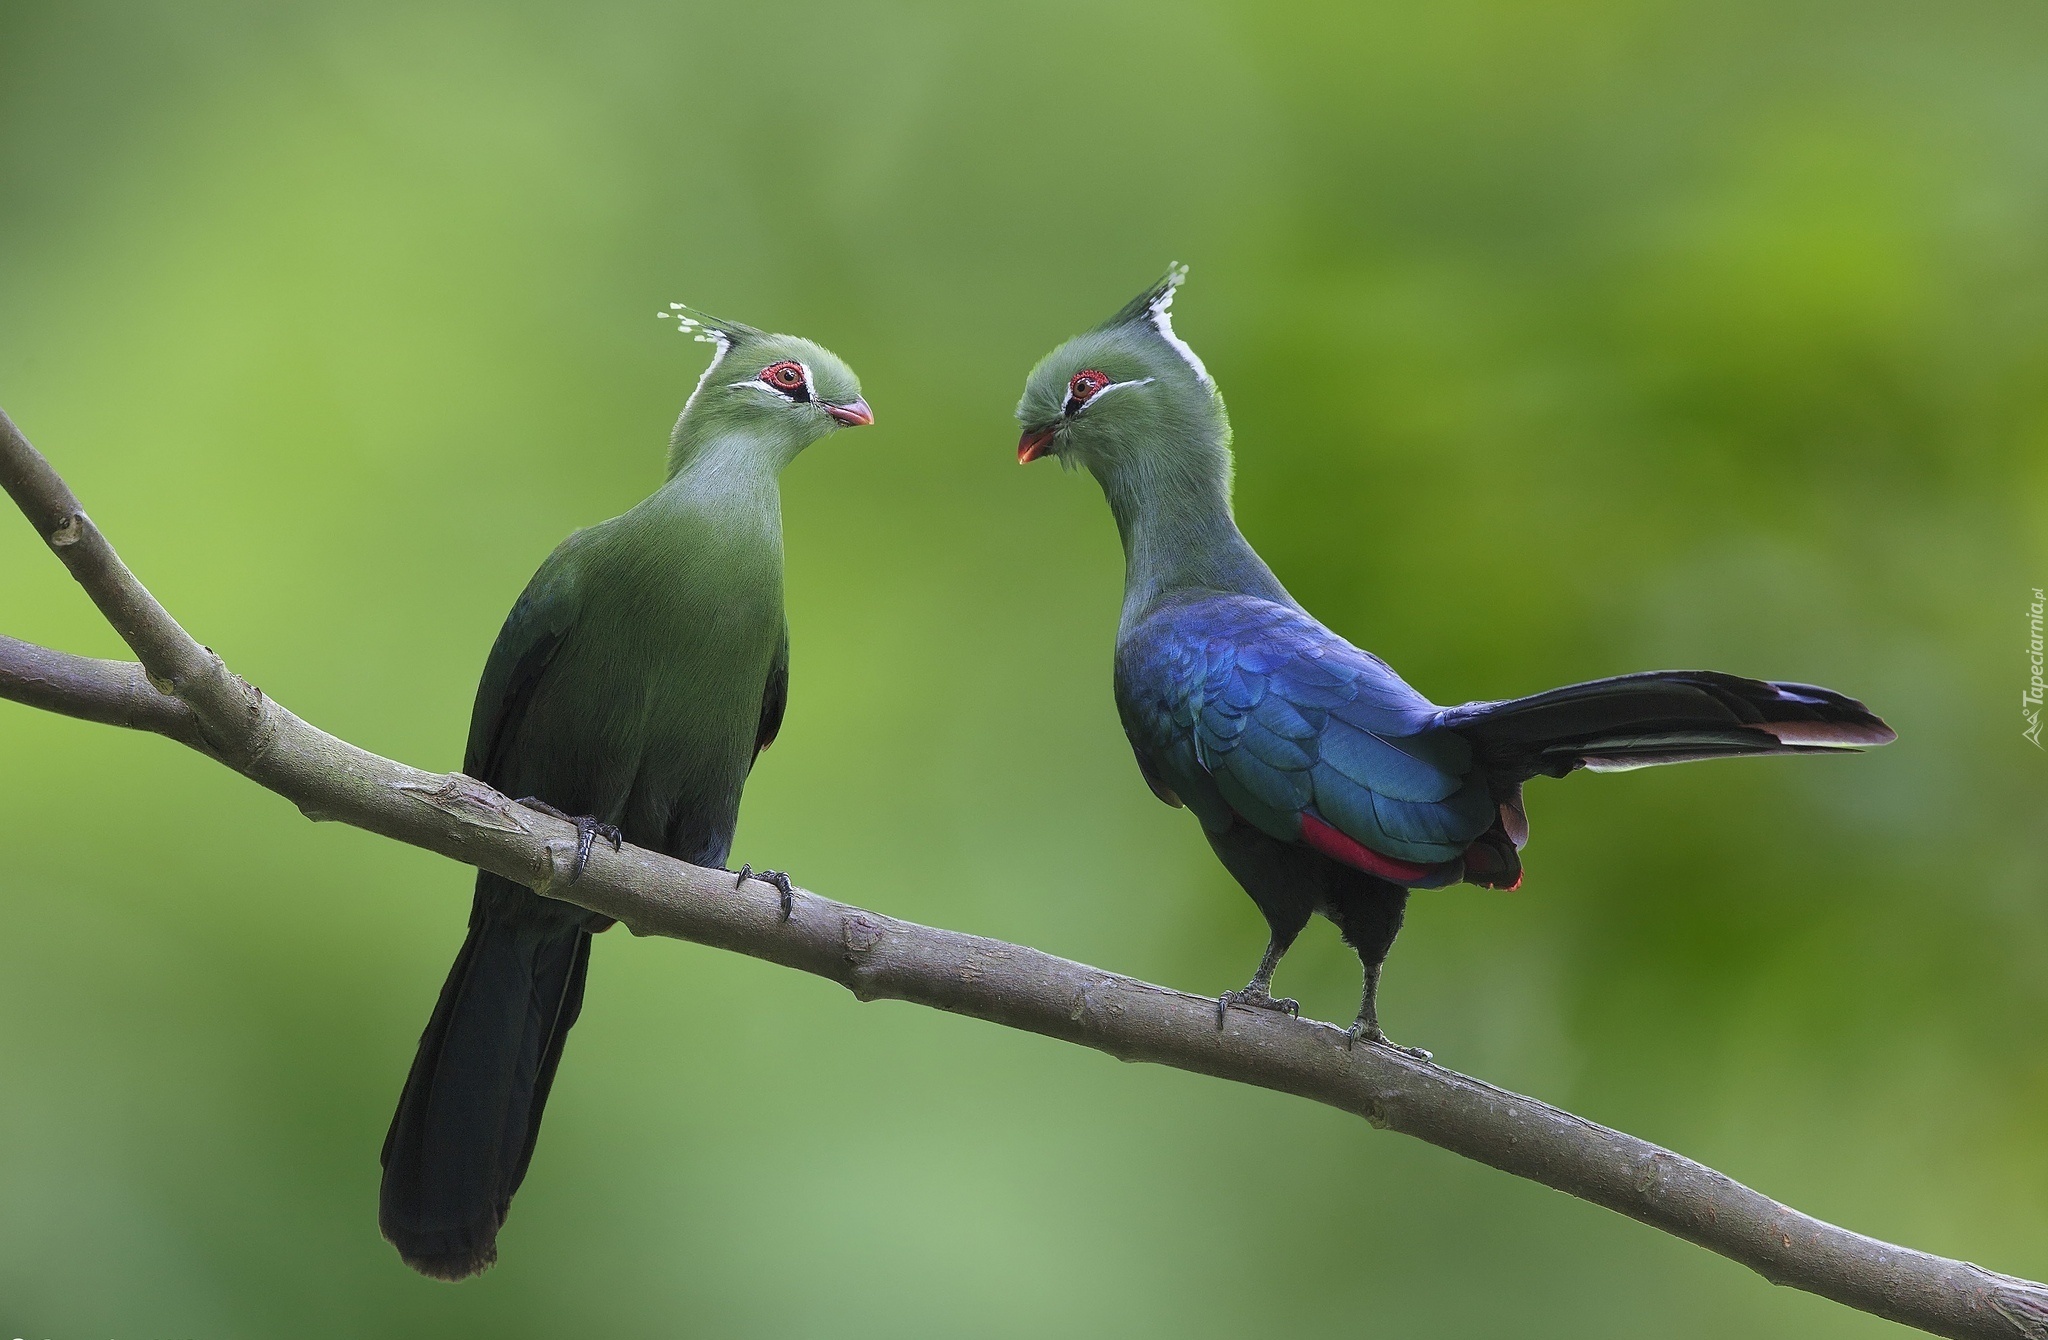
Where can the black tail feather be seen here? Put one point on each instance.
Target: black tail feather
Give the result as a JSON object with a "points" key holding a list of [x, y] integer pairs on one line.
{"points": [[1663, 716], [466, 1123]]}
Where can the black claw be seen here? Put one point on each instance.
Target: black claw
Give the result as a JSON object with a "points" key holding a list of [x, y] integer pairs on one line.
{"points": [[587, 833], [776, 877], [1254, 1000], [588, 830], [1371, 1033]]}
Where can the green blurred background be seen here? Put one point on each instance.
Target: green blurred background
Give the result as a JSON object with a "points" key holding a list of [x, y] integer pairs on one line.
{"points": [[1561, 340]]}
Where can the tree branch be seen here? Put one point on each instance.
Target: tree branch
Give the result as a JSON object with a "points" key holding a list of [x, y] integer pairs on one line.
{"points": [[182, 690], [113, 693]]}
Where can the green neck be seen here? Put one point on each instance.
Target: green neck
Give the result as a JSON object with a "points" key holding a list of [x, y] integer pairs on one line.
{"points": [[712, 445], [729, 483], [731, 455], [1172, 509]]}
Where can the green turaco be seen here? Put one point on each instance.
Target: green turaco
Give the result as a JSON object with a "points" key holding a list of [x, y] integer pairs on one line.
{"points": [[1322, 780], [634, 683]]}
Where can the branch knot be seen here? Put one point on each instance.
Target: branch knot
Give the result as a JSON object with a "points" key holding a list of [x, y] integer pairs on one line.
{"points": [[467, 801]]}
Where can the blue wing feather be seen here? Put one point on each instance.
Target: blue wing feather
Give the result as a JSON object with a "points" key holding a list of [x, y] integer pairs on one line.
{"points": [[1287, 720], [1248, 708]]}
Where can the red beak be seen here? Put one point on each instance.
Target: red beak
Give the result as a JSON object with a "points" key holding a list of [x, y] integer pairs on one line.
{"points": [[854, 412], [1034, 443]]}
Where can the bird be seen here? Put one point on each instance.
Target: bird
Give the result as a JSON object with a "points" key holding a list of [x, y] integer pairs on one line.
{"points": [[1321, 779], [630, 691]]}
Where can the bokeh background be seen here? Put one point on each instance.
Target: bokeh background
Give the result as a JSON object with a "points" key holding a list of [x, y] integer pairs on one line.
{"points": [[1561, 339]]}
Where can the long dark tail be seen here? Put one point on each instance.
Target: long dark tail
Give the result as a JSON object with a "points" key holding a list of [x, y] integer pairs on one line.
{"points": [[466, 1123], [1664, 716]]}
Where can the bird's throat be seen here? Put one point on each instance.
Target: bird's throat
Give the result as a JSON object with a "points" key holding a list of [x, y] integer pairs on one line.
{"points": [[1179, 533]]}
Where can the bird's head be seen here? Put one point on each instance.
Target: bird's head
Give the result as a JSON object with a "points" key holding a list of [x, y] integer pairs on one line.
{"points": [[1126, 395], [779, 392]]}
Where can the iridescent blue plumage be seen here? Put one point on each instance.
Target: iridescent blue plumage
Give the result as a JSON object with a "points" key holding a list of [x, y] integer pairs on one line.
{"points": [[1322, 780], [1277, 717]]}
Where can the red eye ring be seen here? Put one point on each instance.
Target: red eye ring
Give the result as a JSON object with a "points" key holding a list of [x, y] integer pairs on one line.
{"points": [[1086, 385], [784, 376]]}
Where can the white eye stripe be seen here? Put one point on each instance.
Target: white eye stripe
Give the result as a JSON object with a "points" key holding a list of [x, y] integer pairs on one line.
{"points": [[785, 393], [1073, 406]]}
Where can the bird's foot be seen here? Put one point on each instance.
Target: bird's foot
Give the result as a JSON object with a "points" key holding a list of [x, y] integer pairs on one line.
{"points": [[776, 877], [1254, 998], [1369, 1030], [588, 831]]}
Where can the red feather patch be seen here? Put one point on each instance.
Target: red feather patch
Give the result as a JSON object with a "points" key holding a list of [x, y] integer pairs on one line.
{"points": [[1358, 856]]}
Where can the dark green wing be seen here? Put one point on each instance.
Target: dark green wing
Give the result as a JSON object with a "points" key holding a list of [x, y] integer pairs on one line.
{"points": [[774, 697], [540, 622]]}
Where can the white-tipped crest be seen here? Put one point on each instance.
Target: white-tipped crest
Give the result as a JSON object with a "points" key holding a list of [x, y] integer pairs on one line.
{"points": [[703, 334], [1160, 312]]}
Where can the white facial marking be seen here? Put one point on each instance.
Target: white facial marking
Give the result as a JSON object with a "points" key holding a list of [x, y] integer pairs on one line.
{"points": [[1161, 310], [756, 384], [1083, 407]]}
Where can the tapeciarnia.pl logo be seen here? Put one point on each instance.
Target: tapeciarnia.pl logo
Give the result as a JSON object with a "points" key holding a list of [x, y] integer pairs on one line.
{"points": [[2030, 701]]}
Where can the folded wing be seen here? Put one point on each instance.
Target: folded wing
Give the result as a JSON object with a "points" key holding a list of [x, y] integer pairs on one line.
{"points": [[1248, 709]]}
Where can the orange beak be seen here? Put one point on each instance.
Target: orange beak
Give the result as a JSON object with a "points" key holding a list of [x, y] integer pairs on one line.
{"points": [[1034, 443]]}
